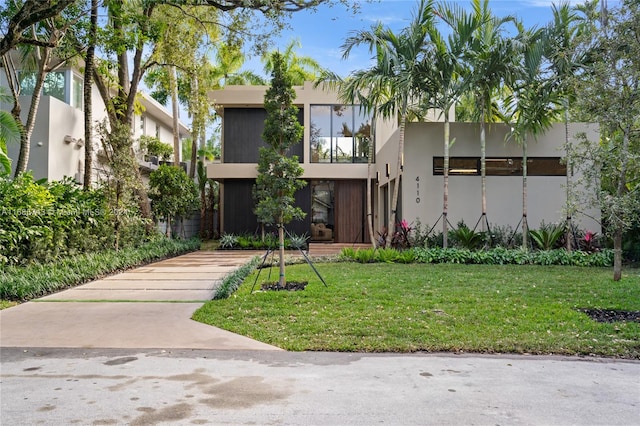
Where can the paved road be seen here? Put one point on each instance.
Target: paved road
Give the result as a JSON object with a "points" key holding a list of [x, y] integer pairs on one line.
{"points": [[103, 387]]}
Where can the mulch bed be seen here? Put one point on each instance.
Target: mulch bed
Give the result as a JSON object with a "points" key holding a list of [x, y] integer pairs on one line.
{"points": [[289, 285], [612, 315]]}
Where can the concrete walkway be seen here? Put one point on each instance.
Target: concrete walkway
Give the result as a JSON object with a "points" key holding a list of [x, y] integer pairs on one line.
{"points": [[147, 307]]}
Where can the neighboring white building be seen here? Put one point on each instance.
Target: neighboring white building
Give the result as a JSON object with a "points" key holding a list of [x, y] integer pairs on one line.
{"points": [[57, 142]]}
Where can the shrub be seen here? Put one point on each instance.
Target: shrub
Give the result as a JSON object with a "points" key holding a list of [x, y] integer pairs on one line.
{"points": [[467, 238], [27, 282], [42, 221], [232, 281], [228, 241], [547, 236], [420, 235]]}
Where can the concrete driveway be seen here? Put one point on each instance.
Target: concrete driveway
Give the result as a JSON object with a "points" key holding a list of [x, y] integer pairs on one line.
{"points": [[146, 307]]}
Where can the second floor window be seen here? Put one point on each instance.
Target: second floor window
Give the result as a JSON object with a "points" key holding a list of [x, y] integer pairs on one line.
{"points": [[339, 134], [62, 85], [54, 84]]}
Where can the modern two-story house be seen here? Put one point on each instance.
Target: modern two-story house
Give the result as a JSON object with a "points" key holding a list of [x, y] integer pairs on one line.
{"points": [[334, 156]]}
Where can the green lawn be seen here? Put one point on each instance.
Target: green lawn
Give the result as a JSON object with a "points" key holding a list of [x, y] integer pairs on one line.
{"points": [[444, 307]]}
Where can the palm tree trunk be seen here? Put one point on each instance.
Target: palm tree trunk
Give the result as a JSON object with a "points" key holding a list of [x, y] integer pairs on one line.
{"points": [[87, 97], [483, 169], [195, 133], [173, 83], [25, 138], [569, 208], [369, 177], [445, 174], [396, 187], [525, 227]]}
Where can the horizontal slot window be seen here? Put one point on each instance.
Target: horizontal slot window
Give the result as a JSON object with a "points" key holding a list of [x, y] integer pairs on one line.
{"points": [[500, 166]]}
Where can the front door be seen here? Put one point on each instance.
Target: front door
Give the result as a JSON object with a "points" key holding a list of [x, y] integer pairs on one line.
{"points": [[350, 211]]}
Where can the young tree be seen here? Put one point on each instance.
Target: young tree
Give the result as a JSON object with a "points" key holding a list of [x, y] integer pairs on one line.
{"points": [[609, 93], [173, 194], [278, 173]]}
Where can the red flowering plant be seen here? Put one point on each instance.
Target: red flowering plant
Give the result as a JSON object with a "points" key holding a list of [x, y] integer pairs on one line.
{"points": [[401, 236], [589, 242]]}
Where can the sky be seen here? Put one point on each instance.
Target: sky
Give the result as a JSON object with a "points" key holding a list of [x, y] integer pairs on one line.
{"points": [[323, 32]]}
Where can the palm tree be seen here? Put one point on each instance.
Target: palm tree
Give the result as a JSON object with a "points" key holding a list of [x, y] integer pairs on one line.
{"points": [[228, 61], [9, 133], [87, 94], [444, 70], [534, 101], [394, 85], [565, 61], [299, 68], [490, 57]]}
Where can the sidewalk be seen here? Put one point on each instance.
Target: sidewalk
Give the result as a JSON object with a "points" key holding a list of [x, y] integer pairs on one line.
{"points": [[144, 308]]}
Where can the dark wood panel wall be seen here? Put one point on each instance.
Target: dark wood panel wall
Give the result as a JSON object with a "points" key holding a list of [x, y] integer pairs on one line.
{"points": [[239, 204], [243, 129]]}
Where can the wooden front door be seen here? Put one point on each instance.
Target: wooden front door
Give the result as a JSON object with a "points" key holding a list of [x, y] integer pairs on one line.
{"points": [[350, 211]]}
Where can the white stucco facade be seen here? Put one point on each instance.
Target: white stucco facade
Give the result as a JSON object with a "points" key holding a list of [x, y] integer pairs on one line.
{"points": [[422, 191]]}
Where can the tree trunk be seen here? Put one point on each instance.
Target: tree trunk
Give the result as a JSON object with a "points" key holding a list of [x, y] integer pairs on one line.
{"points": [[617, 254], [195, 133], [25, 138], [445, 173], [87, 97], [396, 187], [525, 226], [569, 207], [173, 84], [282, 281], [369, 177], [483, 169], [619, 223]]}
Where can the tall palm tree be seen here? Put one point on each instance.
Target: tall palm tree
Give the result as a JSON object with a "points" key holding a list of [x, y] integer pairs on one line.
{"points": [[393, 86], [490, 57], [535, 102], [299, 68], [565, 61], [444, 70]]}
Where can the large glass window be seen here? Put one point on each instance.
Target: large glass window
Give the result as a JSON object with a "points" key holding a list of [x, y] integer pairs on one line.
{"points": [[77, 95], [54, 84], [339, 134], [322, 210]]}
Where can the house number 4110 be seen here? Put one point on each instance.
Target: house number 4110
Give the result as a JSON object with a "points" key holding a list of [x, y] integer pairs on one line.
{"points": [[417, 189]]}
